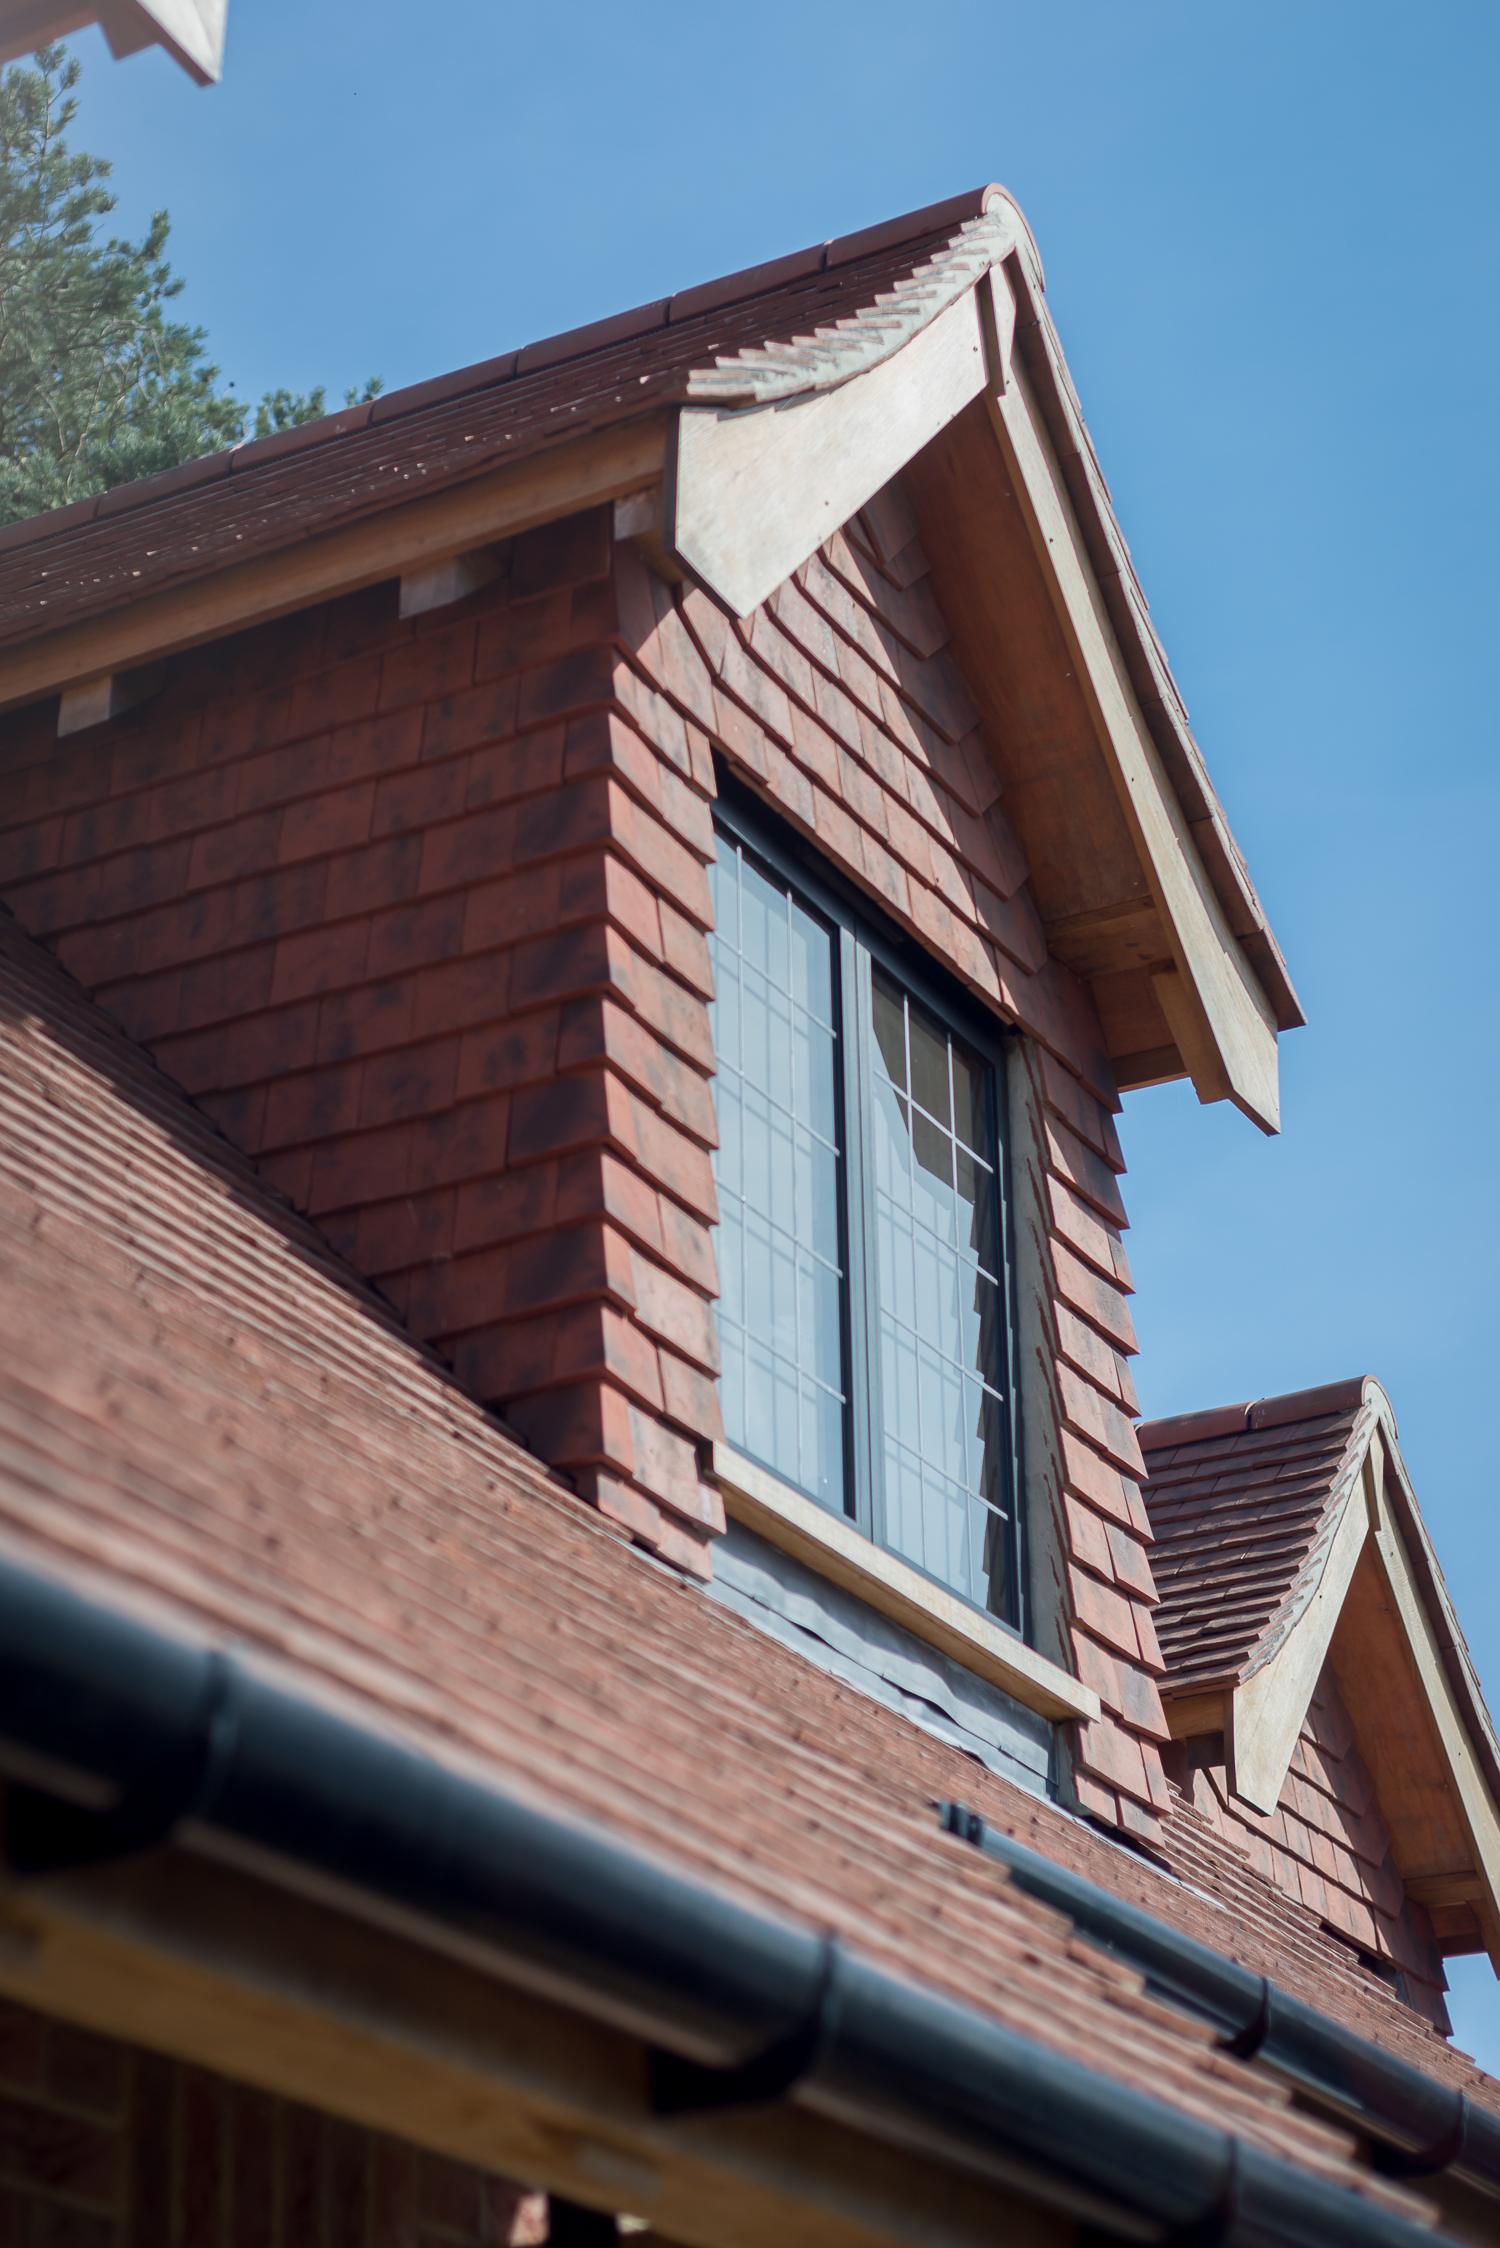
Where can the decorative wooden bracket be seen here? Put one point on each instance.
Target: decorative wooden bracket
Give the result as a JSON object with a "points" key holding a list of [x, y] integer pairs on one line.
{"points": [[93, 701], [753, 491]]}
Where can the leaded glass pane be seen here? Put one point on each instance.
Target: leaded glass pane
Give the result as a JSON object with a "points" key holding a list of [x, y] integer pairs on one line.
{"points": [[778, 1171], [937, 1260]]}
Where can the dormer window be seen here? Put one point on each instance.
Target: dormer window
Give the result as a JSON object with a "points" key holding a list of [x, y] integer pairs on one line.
{"points": [[864, 1314]]}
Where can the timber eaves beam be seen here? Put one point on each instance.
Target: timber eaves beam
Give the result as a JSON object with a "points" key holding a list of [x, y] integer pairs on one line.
{"points": [[399, 542]]}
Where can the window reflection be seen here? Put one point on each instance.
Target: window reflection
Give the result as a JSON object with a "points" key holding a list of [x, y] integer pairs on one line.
{"points": [[937, 1267], [777, 1171], [925, 1316]]}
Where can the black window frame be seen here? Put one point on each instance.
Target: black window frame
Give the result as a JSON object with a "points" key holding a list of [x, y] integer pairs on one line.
{"points": [[865, 938]]}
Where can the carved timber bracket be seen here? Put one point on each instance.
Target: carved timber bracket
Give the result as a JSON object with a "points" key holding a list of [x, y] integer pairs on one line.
{"points": [[753, 492]]}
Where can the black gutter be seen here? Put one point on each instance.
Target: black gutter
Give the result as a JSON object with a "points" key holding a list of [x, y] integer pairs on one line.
{"points": [[740, 2006], [1418, 2127]]}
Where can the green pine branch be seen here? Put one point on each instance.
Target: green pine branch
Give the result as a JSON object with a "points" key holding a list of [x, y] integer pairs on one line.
{"points": [[98, 385]]}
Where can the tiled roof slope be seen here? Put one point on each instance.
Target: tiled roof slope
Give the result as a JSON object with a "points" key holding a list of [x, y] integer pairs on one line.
{"points": [[202, 1413], [1243, 1502], [800, 323]]}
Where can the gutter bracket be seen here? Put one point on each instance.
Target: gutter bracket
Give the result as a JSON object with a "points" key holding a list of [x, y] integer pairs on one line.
{"points": [[682, 2087], [1426, 2162], [44, 1833], [1362, 2083], [1253, 2036], [1218, 2227]]}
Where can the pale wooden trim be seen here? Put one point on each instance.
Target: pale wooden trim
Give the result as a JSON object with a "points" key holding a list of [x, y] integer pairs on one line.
{"points": [[191, 31], [583, 473], [1457, 1661], [753, 492], [205, 1963], [437, 585], [1192, 1714], [836, 1550], [1475, 1804], [1267, 1708], [94, 700], [88, 704], [1221, 1020]]}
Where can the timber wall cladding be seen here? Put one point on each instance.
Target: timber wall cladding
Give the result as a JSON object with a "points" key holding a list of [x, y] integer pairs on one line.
{"points": [[416, 911], [1326, 1844], [1082, 1461], [418, 917], [104, 2146]]}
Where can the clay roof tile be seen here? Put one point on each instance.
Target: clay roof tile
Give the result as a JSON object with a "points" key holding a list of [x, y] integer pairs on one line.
{"points": [[1240, 1499], [206, 1415]]}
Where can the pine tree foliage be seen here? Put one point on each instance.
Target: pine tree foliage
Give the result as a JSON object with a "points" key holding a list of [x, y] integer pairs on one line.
{"points": [[288, 409], [98, 384]]}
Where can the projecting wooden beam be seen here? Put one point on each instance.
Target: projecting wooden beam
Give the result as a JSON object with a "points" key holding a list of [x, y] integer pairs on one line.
{"points": [[1462, 1888], [211, 1964], [1158, 1065], [94, 701], [1190, 1715], [397, 541], [438, 584]]}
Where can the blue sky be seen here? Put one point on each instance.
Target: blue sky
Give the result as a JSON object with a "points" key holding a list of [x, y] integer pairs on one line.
{"points": [[1270, 237]]}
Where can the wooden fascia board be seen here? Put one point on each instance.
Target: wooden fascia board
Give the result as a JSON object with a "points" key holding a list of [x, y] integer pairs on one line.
{"points": [[190, 31], [210, 1965], [1041, 356], [584, 472], [1266, 1710], [1458, 1663], [1220, 1017], [1471, 1794], [752, 492]]}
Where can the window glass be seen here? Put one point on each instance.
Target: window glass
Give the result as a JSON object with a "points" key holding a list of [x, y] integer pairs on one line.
{"points": [[939, 1305], [776, 1044], [861, 1243]]}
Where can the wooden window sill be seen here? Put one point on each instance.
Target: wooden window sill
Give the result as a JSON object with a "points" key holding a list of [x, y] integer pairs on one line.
{"points": [[838, 1551]]}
